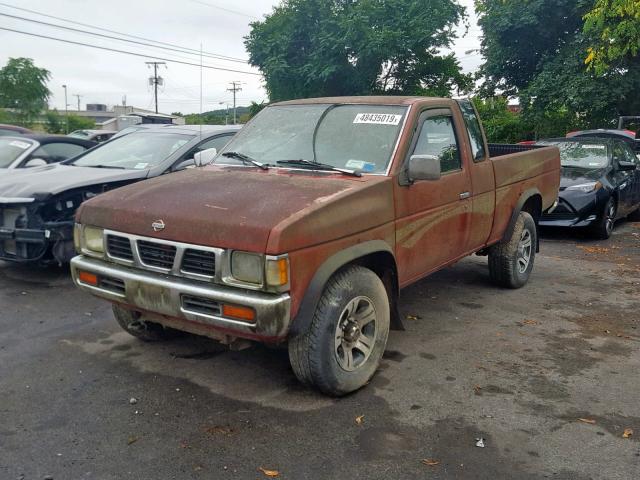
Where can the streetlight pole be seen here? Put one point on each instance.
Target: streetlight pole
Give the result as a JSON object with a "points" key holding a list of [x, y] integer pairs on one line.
{"points": [[66, 110]]}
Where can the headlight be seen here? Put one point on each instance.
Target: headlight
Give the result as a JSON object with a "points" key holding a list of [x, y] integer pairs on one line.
{"points": [[586, 187], [93, 239], [247, 267]]}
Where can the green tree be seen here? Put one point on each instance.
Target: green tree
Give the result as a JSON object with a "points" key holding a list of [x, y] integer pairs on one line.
{"points": [[520, 36], [23, 88], [75, 122], [53, 122], [613, 27], [535, 49], [308, 48]]}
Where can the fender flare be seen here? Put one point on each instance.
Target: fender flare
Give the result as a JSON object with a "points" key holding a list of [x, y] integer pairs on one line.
{"points": [[524, 197], [329, 267]]}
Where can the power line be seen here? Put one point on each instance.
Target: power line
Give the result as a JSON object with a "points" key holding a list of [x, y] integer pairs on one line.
{"points": [[206, 4], [192, 50], [63, 27], [126, 52]]}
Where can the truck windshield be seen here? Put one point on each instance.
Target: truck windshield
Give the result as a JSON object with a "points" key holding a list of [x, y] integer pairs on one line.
{"points": [[354, 137], [589, 155], [11, 149], [136, 151]]}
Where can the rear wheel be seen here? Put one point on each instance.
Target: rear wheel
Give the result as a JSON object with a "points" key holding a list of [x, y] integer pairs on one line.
{"points": [[134, 324], [603, 227], [343, 346], [511, 261]]}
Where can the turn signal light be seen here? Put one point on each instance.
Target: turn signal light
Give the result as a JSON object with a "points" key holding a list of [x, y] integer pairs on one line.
{"points": [[88, 278], [240, 313], [277, 272]]}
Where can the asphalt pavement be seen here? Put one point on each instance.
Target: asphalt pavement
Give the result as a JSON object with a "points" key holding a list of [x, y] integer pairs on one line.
{"points": [[546, 376]]}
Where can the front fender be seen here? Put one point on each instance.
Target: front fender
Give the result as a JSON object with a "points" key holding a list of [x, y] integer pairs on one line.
{"points": [[330, 266]]}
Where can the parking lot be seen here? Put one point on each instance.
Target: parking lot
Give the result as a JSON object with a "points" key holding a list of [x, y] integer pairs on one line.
{"points": [[546, 375]]}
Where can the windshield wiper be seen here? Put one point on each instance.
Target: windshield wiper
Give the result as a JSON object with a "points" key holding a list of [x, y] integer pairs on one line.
{"points": [[246, 159], [319, 166], [107, 166]]}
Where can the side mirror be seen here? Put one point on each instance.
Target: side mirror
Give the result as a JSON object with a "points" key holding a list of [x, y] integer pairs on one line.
{"points": [[626, 166], [35, 162], [205, 157], [184, 164], [424, 167]]}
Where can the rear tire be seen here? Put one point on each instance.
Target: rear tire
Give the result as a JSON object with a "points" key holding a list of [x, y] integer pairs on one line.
{"points": [[343, 346], [603, 226], [511, 261], [133, 323]]}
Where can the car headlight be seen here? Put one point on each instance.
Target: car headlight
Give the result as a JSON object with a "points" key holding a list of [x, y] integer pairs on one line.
{"points": [[586, 187], [247, 267], [92, 239]]}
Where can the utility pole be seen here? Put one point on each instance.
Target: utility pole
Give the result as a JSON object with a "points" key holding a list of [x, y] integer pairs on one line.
{"points": [[226, 116], [235, 87], [155, 80], [78, 97], [66, 110]]}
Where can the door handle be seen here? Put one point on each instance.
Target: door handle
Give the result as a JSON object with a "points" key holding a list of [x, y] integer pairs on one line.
{"points": [[465, 195]]}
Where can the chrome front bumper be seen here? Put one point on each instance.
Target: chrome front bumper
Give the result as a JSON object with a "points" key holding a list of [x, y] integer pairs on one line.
{"points": [[165, 295]]}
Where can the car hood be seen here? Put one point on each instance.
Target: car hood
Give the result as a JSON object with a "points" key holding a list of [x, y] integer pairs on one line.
{"points": [[274, 211], [53, 179], [576, 176]]}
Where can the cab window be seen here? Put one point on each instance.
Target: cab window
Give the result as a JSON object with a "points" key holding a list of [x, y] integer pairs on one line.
{"points": [[438, 138]]}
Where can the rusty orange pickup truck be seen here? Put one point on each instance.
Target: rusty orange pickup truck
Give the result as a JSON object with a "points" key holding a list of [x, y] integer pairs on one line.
{"points": [[307, 225]]}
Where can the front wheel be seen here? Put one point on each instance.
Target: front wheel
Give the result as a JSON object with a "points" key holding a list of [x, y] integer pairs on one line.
{"points": [[511, 261], [343, 346], [603, 226]]}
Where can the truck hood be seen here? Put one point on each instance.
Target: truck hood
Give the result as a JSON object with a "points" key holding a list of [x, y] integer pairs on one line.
{"points": [[47, 180], [274, 211]]}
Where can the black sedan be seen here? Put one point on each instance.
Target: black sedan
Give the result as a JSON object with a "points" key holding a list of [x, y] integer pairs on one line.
{"points": [[600, 184]]}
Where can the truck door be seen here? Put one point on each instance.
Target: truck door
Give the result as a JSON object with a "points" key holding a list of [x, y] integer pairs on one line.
{"points": [[433, 217], [483, 181]]}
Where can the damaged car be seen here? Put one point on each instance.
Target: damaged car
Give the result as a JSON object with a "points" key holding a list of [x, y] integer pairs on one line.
{"points": [[37, 205], [600, 184]]}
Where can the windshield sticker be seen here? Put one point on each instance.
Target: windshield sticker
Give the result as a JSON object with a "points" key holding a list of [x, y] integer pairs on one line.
{"points": [[141, 166], [593, 147], [360, 165], [19, 144], [378, 118]]}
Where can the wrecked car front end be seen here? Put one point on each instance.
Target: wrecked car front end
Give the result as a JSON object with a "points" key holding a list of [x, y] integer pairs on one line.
{"points": [[39, 229]]}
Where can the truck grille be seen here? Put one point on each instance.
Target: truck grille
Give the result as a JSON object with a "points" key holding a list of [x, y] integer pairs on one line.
{"points": [[200, 305], [155, 254], [119, 247], [199, 262]]}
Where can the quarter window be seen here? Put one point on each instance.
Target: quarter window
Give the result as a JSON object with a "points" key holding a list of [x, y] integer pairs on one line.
{"points": [[474, 129], [438, 138]]}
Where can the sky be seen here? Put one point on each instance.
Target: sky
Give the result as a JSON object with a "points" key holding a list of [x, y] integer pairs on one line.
{"points": [[98, 76]]}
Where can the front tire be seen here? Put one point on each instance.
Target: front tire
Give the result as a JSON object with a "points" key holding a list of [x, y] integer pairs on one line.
{"points": [[133, 323], [603, 227], [343, 346], [511, 261]]}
